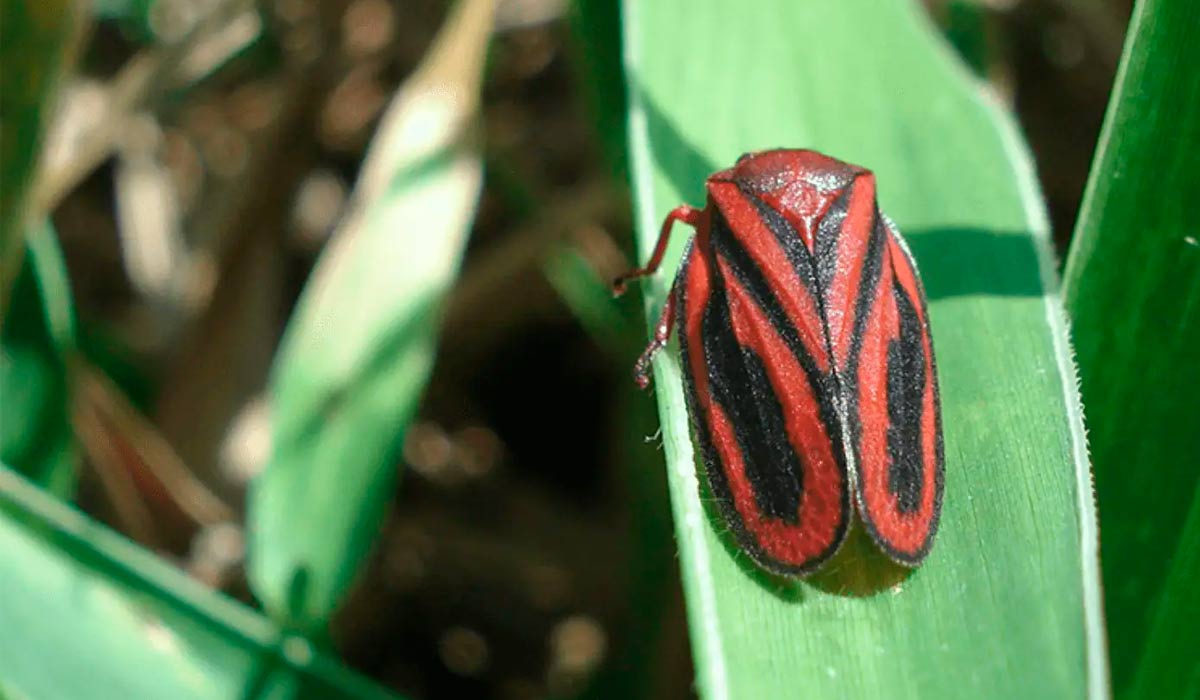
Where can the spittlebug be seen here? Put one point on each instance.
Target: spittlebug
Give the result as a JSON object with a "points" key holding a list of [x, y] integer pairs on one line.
{"points": [[808, 361]]}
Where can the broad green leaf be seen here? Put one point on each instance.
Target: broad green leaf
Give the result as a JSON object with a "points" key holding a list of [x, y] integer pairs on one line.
{"points": [[88, 614], [36, 344], [1007, 603], [37, 40], [1133, 290], [360, 348]]}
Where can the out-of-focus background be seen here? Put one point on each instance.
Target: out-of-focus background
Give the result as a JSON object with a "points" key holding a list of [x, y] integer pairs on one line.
{"points": [[201, 171]]}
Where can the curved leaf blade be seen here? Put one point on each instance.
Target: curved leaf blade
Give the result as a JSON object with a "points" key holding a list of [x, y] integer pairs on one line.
{"points": [[1007, 603], [37, 342], [1133, 289], [88, 614], [361, 346]]}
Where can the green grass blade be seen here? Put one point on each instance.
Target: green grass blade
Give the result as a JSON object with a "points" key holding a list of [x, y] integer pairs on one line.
{"points": [[1133, 290], [36, 312], [36, 342], [361, 346], [1007, 604], [1167, 665], [595, 49], [37, 40], [88, 614], [611, 325]]}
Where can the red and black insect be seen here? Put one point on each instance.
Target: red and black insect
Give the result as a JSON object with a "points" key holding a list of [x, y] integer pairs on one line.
{"points": [[808, 361]]}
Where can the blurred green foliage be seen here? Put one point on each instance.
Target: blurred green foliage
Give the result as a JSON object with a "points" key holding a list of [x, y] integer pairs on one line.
{"points": [[119, 622], [36, 346], [37, 39], [361, 345]]}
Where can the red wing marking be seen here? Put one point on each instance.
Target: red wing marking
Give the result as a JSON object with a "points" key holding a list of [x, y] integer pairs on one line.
{"points": [[899, 455], [842, 271], [741, 235]]}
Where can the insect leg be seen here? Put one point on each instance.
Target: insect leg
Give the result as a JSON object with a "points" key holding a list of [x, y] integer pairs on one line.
{"points": [[662, 331], [684, 213]]}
